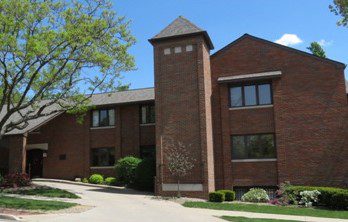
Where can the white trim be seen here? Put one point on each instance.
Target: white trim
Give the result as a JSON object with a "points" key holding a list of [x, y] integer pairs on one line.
{"points": [[102, 127], [251, 107], [147, 124], [254, 160], [252, 76], [182, 187], [102, 168], [40, 146]]}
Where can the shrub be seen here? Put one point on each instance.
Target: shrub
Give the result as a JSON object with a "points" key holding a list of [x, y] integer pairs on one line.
{"points": [[329, 196], [229, 194], [255, 195], [16, 180], [125, 169], [216, 196], [110, 181], [84, 180], [144, 174], [96, 179], [309, 197]]}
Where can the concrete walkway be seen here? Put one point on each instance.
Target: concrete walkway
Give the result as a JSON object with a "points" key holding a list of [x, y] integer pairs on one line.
{"points": [[127, 206]]}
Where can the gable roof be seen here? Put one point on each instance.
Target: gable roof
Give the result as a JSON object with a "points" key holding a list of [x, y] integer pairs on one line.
{"points": [[181, 27], [276, 45], [123, 97]]}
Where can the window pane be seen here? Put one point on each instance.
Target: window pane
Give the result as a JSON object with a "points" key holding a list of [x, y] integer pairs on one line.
{"points": [[261, 146], [143, 114], [95, 118], [265, 94], [104, 120], [238, 148], [103, 157], [152, 114], [236, 96], [111, 117], [250, 95]]}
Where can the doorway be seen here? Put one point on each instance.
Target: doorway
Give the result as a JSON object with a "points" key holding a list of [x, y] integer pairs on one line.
{"points": [[34, 163]]}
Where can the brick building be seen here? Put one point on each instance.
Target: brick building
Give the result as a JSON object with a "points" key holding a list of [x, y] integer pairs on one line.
{"points": [[254, 113]]}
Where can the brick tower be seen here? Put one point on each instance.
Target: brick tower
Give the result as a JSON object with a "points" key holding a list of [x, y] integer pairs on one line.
{"points": [[183, 107]]}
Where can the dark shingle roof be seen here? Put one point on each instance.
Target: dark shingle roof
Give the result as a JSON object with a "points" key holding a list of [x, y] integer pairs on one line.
{"points": [[129, 96], [181, 27]]}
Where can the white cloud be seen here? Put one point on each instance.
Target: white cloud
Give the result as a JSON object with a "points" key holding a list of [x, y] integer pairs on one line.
{"points": [[289, 39], [323, 42]]}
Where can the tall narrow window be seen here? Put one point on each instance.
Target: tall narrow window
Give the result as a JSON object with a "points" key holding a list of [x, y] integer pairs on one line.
{"points": [[103, 117], [251, 95], [236, 96], [147, 114]]}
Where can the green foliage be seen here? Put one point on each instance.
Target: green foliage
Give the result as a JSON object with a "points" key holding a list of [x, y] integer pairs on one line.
{"points": [[45, 192], [340, 7], [96, 179], [84, 180], [255, 195], [144, 174], [216, 196], [125, 169], [317, 50], [247, 219], [230, 195], [111, 181], [47, 45], [329, 196]]}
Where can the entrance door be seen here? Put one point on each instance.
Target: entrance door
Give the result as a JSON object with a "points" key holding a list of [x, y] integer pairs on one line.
{"points": [[34, 163]]}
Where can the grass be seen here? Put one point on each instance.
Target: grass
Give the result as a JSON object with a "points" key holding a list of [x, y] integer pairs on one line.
{"points": [[268, 209], [45, 192], [245, 219], [27, 204]]}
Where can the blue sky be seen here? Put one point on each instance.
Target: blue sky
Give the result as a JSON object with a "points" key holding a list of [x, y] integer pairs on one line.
{"points": [[226, 20]]}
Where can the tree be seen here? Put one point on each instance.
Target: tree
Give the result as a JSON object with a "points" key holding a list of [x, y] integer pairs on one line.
{"points": [[180, 163], [340, 7], [45, 49], [317, 50]]}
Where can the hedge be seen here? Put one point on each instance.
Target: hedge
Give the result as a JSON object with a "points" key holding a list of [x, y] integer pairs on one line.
{"points": [[229, 194], [216, 196], [330, 197]]}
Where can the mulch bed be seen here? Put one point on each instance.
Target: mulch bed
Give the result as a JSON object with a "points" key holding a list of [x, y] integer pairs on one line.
{"points": [[16, 212]]}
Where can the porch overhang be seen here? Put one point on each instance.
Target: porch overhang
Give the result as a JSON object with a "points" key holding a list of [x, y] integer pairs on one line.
{"points": [[250, 77], [40, 146]]}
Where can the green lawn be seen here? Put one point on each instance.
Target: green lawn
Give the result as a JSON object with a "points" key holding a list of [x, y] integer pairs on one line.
{"points": [[268, 209], [245, 219], [27, 204], [46, 192]]}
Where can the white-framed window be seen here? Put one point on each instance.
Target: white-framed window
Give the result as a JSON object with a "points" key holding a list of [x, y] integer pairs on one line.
{"points": [[177, 49], [166, 51], [189, 48], [103, 117], [147, 114]]}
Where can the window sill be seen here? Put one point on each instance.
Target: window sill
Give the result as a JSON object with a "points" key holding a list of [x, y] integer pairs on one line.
{"points": [[102, 127], [254, 160], [147, 124], [251, 107], [102, 168]]}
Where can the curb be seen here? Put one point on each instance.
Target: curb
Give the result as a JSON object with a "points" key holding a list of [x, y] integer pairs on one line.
{"points": [[9, 217]]}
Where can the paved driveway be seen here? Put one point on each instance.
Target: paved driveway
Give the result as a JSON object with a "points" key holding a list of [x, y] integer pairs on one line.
{"points": [[121, 205]]}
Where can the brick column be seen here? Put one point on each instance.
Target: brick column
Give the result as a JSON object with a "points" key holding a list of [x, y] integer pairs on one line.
{"points": [[17, 153]]}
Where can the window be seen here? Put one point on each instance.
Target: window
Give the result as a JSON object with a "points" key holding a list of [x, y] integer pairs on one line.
{"points": [[177, 49], [147, 114], [167, 51], [189, 48], [260, 146], [103, 117], [103, 157], [250, 95], [147, 152]]}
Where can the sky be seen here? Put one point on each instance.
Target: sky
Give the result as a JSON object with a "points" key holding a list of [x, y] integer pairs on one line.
{"points": [[289, 22]]}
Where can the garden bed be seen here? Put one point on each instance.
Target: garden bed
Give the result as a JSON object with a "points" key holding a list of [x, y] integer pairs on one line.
{"points": [[44, 191]]}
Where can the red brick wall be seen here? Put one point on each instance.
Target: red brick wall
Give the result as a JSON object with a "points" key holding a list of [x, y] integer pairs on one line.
{"points": [[65, 136], [309, 116], [182, 91]]}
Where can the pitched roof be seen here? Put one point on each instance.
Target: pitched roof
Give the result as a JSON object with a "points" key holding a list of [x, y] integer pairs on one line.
{"points": [[181, 27], [276, 45], [123, 97]]}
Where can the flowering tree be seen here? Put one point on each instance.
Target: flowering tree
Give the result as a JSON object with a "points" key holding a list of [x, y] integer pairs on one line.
{"points": [[180, 163]]}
